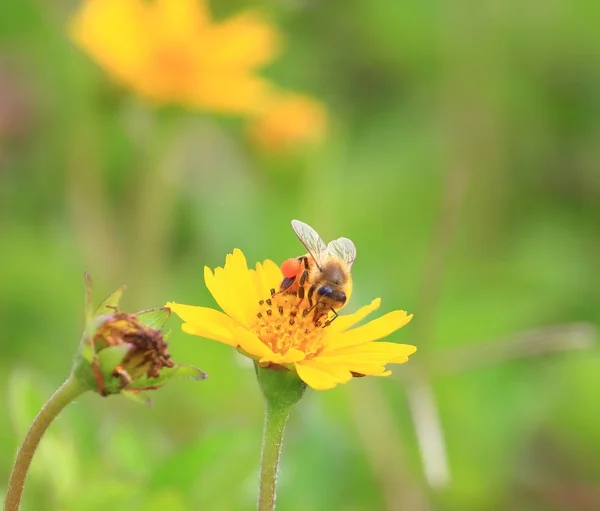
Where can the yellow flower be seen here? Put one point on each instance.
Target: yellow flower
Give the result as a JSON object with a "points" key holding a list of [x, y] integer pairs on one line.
{"points": [[170, 51], [288, 121], [274, 331]]}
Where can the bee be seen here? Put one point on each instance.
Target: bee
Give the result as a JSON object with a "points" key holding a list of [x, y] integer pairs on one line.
{"points": [[322, 275]]}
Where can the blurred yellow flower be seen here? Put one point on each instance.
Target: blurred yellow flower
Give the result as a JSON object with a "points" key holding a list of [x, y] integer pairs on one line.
{"points": [[171, 51], [270, 330], [288, 121]]}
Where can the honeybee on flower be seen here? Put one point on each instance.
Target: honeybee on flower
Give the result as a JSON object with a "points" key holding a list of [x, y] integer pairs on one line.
{"points": [[271, 332], [322, 276]]}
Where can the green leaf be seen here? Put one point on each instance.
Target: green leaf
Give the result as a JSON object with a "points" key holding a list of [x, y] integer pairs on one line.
{"points": [[154, 318], [110, 303]]}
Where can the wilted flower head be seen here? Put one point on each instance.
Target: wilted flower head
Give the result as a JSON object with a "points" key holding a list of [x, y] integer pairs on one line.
{"points": [[146, 350], [171, 51], [126, 352], [276, 331]]}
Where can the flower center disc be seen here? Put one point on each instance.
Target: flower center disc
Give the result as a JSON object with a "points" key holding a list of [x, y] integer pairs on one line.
{"points": [[285, 322]]}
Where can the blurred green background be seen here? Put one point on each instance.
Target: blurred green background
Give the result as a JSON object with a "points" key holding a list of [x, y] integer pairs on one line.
{"points": [[463, 161]]}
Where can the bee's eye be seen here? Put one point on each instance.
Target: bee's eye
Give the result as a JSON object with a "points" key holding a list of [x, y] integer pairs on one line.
{"points": [[324, 290], [342, 296]]}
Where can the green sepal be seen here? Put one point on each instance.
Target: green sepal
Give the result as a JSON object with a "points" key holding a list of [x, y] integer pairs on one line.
{"points": [[110, 357], [154, 318], [111, 302], [280, 386], [87, 349], [86, 355], [140, 398], [90, 365], [167, 373]]}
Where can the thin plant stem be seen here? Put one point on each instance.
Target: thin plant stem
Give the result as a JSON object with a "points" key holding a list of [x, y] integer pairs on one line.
{"points": [[276, 417], [67, 392]]}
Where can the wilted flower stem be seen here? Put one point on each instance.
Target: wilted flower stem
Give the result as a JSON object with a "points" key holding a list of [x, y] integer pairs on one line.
{"points": [[68, 391], [276, 416]]}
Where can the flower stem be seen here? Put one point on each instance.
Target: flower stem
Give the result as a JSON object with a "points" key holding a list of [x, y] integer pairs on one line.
{"points": [[276, 416], [67, 392]]}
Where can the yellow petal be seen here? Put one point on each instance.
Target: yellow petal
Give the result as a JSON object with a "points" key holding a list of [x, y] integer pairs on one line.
{"points": [[216, 284], [209, 331], [376, 329], [114, 33], [252, 345], [372, 371], [385, 352], [365, 366], [368, 359], [347, 321], [289, 121], [174, 20], [322, 376], [233, 289], [290, 357], [204, 322], [243, 41], [200, 315], [268, 276], [229, 91], [240, 283]]}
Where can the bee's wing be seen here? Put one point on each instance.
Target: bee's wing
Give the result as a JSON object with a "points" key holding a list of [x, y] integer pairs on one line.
{"points": [[344, 249], [311, 240]]}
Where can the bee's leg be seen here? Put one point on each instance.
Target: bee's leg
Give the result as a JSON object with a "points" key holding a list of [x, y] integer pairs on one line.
{"points": [[311, 292], [300, 292], [286, 283], [305, 263], [303, 279], [329, 321], [304, 275], [308, 310], [311, 305]]}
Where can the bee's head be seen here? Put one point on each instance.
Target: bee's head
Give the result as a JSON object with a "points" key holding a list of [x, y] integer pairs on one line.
{"points": [[334, 295]]}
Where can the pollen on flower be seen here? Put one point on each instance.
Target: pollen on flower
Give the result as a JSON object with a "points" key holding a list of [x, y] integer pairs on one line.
{"points": [[284, 323]]}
